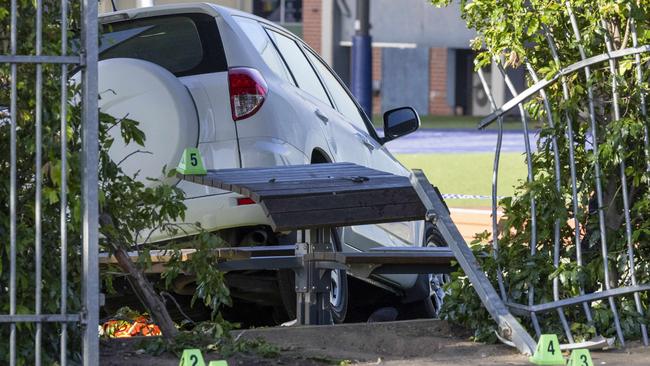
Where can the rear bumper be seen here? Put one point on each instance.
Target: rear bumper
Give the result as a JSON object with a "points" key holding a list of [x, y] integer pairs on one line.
{"points": [[213, 213], [222, 212]]}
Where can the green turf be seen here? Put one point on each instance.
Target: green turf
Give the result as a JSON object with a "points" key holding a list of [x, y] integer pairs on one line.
{"points": [[469, 173], [455, 122]]}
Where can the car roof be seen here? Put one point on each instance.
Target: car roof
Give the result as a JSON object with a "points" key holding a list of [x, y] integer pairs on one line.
{"points": [[208, 8]]}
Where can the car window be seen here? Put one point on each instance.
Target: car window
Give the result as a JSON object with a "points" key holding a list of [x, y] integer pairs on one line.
{"points": [[342, 99], [185, 44], [299, 66], [264, 47]]}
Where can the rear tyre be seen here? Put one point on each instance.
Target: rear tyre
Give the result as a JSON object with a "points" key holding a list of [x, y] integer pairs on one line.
{"points": [[339, 287], [339, 294], [286, 285]]}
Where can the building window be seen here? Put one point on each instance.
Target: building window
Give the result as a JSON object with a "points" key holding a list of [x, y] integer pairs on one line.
{"points": [[287, 13]]}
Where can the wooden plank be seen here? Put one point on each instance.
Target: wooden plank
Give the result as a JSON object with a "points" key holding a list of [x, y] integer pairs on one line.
{"points": [[339, 200], [156, 256], [287, 221], [420, 257], [300, 188], [260, 196], [349, 182], [269, 250], [294, 166], [398, 258], [245, 252], [292, 177], [271, 184], [228, 254], [198, 179], [237, 177], [308, 184], [318, 169], [244, 180], [411, 249], [285, 167]]}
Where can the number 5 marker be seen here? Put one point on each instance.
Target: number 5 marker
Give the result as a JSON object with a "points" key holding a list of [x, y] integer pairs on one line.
{"points": [[191, 162]]}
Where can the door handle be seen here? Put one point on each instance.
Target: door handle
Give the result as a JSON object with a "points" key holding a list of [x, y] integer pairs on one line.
{"points": [[322, 116]]}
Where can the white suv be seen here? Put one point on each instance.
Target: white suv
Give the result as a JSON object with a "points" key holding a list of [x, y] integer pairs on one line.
{"points": [[247, 93]]}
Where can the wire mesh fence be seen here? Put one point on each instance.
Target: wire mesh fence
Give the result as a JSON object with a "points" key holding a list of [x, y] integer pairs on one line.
{"points": [[39, 54], [578, 233]]}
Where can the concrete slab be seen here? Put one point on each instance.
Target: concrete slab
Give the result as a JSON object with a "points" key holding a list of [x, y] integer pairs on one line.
{"points": [[413, 343]]}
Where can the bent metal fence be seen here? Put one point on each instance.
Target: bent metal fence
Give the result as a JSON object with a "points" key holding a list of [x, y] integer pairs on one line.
{"points": [[84, 58], [584, 198]]}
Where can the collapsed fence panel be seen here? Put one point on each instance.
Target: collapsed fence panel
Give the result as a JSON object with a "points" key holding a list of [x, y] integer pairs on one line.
{"points": [[84, 59], [558, 117]]}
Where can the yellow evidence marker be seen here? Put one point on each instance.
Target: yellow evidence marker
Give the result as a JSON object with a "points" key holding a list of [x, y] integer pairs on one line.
{"points": [[548, 351], [192, 357], [580, 357], [218, 363], [191, 162]]}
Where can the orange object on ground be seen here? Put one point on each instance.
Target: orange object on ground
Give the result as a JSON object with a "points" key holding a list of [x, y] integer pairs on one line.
{"points": [[140, 326]]}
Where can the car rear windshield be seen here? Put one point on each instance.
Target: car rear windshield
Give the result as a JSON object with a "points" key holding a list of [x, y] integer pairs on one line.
{"points": [[187, 44]]}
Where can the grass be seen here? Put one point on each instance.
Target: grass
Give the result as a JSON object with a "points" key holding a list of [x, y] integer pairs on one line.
{"points": [[469, 173], [455, 122]]}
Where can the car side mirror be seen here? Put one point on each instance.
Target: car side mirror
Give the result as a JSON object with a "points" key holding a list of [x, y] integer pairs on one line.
{"points": [[399, 122]]}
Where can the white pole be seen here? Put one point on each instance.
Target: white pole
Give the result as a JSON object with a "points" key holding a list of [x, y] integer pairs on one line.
{"points": [[327, 31]]}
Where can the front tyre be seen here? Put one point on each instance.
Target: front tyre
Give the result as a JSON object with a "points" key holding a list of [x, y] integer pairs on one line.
{"points": [[430, 306], [433, 238]]}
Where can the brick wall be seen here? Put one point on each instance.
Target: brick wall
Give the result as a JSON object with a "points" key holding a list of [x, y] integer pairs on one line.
{"points": [[311, 23], [438, 82], [376, 76]]}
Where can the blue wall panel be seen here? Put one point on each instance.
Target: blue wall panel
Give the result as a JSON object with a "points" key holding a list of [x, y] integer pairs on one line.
{"points": [[405, 79]]}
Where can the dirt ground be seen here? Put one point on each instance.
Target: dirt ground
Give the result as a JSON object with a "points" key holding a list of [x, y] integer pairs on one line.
{"points": [[409, 343]]}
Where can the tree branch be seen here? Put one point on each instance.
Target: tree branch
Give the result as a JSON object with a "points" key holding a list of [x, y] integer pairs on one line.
{"points": [[143, 288]]}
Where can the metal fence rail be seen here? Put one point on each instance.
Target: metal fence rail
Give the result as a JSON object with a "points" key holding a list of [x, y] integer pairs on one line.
{"points": [[86, 60], [578, 188]]}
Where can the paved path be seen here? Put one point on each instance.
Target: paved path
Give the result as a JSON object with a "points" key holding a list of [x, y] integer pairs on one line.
{"points": [[459, 141]]}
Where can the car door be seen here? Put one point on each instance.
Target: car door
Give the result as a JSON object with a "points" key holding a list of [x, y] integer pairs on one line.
{"points": [[354, 126], [348, 141], [341, 136]]}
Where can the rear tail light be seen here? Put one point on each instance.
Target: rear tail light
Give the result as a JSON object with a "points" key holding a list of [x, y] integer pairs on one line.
{"points": [[245, 201], [247, 91]]}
